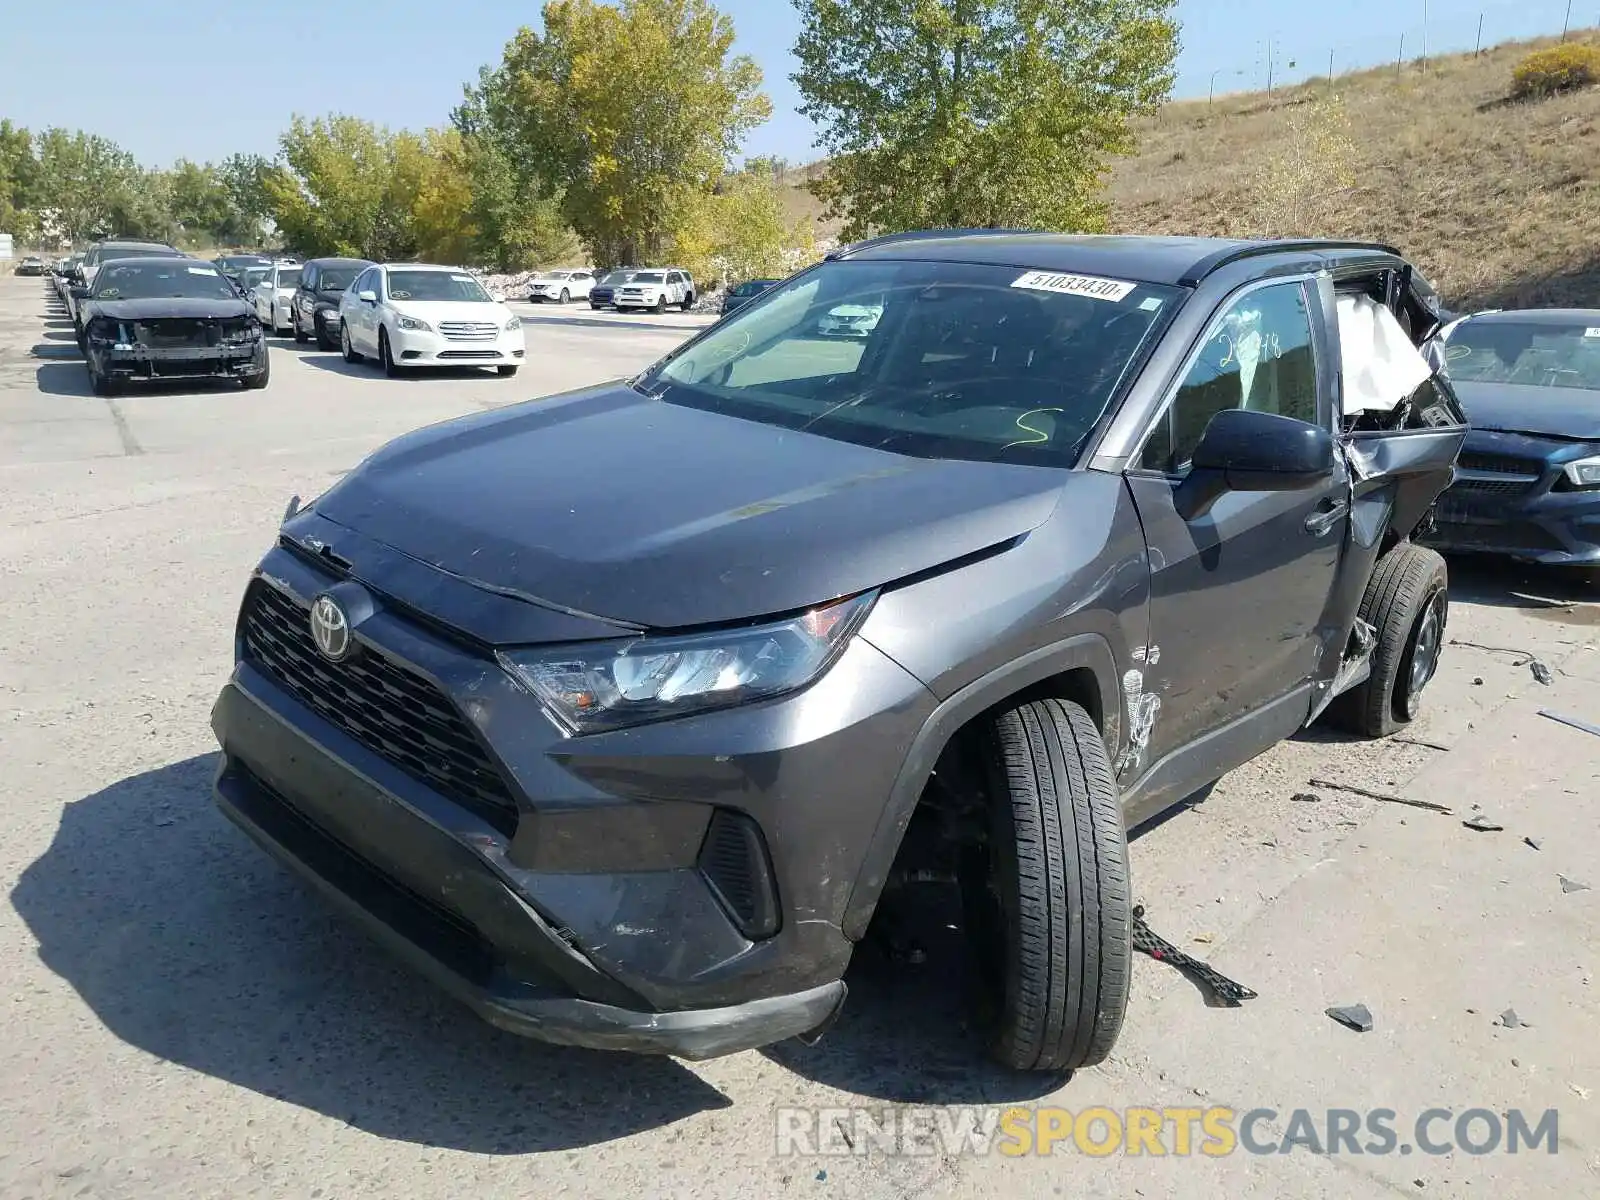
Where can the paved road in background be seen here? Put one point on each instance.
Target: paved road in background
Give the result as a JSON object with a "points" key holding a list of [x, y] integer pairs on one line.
{"points": [[180, 1019]]}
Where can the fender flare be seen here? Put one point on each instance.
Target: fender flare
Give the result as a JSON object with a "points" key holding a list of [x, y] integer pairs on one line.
{"points": [[1082, 651]]}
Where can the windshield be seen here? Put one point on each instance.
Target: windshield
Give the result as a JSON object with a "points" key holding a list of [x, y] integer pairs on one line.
{"points": [[113, 255], [336, 279], [289, 278], [751, 288], [1544, 354], [616, 277], [144, 281], [648, 277], [251, 276], [435, 285], [937, 360]]}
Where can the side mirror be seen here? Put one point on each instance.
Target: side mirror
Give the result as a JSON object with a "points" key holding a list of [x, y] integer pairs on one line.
{"points": [[367, 297], [79, 292], [1245, 451]]}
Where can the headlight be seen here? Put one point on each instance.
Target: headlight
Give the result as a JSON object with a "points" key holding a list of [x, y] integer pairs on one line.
{"points": [[413, 323], [514, 323], [1584, 472], [250, 333], [610, 685]]}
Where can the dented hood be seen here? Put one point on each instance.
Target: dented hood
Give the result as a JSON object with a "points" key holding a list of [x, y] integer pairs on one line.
{"points": [[616, 505], [1560, 412]]}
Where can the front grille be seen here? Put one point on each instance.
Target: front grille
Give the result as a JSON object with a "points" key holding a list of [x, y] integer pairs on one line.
{"points": [[166, 332], [186, 367], [1498, 465], [468, 354], [473, 331], [1495, 487], [388, 708]]}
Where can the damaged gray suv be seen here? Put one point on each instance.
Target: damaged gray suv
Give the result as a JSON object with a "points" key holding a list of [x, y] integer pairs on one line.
{"points": [[618, 712]]}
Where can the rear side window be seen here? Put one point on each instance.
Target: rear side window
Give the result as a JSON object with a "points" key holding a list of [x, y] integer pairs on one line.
{"points": [[1257, 356], [308, 278]]}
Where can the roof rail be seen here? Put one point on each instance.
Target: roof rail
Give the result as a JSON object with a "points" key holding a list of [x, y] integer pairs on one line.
{"points": [[1233, 254], [916, 235]]}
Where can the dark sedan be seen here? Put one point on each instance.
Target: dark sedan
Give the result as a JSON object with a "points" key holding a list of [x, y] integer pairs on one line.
{"points": [[233, 265], [165, 318], [314, 310], [604, 291], [742, 293], [1528, 479]]}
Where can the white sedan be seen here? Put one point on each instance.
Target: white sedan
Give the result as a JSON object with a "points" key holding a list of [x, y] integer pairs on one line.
{"points": [[421, 315], [272, 297], [560, 286]]}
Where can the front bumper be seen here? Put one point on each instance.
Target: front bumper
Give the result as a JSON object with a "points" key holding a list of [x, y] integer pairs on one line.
{"points": [[590, 914], [420, 348], [181, 362], [625, 300]]}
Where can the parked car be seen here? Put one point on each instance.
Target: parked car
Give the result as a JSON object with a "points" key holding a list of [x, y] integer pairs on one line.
{"points": [[166, 318], [234, 265], [1527, 484], [704, 661], [741, 294], [247, 280], [560, 286], [31, 265], [850, 320], [273, 296], [659, 290], [603, 292], [423, 315], [102, 252], [314, 308]]}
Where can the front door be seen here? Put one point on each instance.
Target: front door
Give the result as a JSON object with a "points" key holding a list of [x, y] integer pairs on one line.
{"points": [[1238, 594]]}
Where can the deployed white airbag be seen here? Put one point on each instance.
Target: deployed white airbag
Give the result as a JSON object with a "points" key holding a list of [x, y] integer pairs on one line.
{"points": [[1381, 366]]}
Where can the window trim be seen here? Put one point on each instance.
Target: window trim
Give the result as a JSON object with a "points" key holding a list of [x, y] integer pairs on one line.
{"points": [[1197, 347]]}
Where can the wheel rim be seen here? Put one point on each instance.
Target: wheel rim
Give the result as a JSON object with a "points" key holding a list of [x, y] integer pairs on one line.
{"points": [[344, 340], [1426, 643]]}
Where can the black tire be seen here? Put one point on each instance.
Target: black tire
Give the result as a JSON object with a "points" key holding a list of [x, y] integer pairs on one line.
{"points": [[566, 296], [506, 370], [346, 346], [661, 303], [1049, 901], [300, 335], [688, 302], [1407, 602], [596, 307], [101, 385], [386, 356], [322, 337], [256, 382]]}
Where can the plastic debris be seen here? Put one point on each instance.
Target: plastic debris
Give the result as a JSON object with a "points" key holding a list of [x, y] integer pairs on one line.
{"points": [[1482, 824], [1541, 672], [1572, 885], [1586, 726], [1510, 1020], [1145, 940], [1536, 843], [1353, 1016], [1306, 798]]}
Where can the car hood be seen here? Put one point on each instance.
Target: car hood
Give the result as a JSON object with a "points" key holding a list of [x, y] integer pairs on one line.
{"points": [[1525, 408], [434, 311], [159, 306], [610, 504]]}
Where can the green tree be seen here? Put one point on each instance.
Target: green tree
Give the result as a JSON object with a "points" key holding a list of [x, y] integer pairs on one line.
{"points": [[86, 186], [754, 236], [630, 112], [19, 171], [983, 113], [199, 202], [245, 176], [336, 190]]}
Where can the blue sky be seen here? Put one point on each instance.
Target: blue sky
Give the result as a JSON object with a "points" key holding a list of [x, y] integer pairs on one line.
{"points": [[201, 79]]}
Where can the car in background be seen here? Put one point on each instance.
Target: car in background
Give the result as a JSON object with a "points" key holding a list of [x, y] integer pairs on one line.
{"points": [[104, 251], [248, 278], [314, 307], [31, 265], [273, 294], [1527, 483], [658, 290], [169, 318], [426, 315], [603, 292], [741, 294], [850, 320], [234, 265], [561, 286]]}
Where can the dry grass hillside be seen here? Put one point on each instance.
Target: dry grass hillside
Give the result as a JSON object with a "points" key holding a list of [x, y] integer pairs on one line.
{"points": [[1498, 202]]}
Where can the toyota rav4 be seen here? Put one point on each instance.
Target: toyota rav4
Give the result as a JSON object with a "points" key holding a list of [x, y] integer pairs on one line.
{"points": [[616, 713]]}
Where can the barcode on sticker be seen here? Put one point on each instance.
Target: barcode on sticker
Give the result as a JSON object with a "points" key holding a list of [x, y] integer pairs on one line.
{"points": [[1592, 331], [1075, 285]]}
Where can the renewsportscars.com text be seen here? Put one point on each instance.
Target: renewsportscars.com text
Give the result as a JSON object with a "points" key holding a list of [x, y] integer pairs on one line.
{"points": [[1211, 1132]]}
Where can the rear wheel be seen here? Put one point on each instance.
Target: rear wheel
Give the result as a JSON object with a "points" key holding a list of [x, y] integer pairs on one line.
{"points": [[346, 346], [1049, 912], [1407, 602]]}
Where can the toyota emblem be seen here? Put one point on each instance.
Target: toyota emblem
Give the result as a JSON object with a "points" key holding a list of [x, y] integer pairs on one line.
{"points": [[330, 628]]}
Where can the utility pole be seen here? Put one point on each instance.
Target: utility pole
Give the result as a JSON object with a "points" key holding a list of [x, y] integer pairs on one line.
{"points": [[1330, 70], [1424, 36], [1401, 57], [1566, 21], [1477, 46]]}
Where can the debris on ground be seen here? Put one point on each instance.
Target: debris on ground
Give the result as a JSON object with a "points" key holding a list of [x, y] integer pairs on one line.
{"points": [[1572, 885], [1581, 1091], [1477, 681], [1510, 1020], [1483, 824], [1385, 797], [1145, 940], [1536, 843], [1353, 1016], [1586, 726], [1305, 798], [1541, 672], [1423, 742]]}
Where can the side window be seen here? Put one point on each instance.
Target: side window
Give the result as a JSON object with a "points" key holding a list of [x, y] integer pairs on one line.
{"points": [[674, 277], [1259, 357], [308, 279]]}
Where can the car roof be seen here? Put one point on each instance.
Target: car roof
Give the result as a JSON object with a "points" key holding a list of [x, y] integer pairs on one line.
{"points": [[1149, 259], [1536, 316], [130, 243], [338, 262], [156, 260]]}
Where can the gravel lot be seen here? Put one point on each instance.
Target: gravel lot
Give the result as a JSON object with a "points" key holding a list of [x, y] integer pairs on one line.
{"points": [[181, 1020]]}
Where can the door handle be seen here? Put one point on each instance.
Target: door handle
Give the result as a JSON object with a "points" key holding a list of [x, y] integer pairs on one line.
{"points": [[1324, 519]]}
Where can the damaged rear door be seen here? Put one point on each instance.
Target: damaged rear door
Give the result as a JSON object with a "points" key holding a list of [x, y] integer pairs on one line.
{"points": [[1239, 592]]}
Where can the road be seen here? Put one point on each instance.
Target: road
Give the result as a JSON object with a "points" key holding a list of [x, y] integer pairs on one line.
{"points": [[182, 1020]]}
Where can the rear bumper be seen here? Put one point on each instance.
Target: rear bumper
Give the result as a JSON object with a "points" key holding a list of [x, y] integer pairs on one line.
{"points": [[376, 859]]}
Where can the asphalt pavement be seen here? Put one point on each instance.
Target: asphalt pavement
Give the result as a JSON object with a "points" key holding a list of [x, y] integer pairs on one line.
{"points": [[181, 1019]]}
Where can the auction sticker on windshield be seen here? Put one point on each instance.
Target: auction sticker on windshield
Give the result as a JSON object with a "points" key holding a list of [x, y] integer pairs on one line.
{"points": [[1075, 285], [200, 270]]}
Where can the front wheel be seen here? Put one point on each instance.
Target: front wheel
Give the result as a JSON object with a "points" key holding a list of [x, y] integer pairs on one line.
{"points": [[661, 305], [688, 302], [1048, 897], [256, 382], [566, 296], [101, 384], [386, 356], [346, 346], [300, 335], [1407, 603]]}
